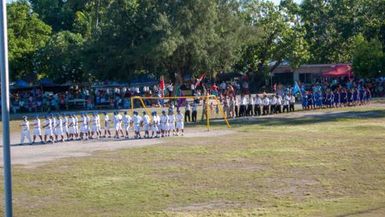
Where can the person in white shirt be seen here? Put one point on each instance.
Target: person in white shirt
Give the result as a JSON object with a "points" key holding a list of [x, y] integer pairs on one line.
{"points": [[164, 123], [72, 127], [48, 129], [273, 104], [37, 129], [146, 124], [171, 123], [242, 108], [137, 121], [292, 102], [76, 127], [59, 129], [266, 105], [236, 106], [278, 107], [249, 110], [25, 130], [98, 124], [83, 127], [118, 125], [257, 105], [54, 124], [286, 102], [65, 124], [155, 122], [94, 126], [126, 124], [106, 126], [179, 123]]}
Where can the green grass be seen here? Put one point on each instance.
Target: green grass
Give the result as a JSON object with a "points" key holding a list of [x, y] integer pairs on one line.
{"points": [[312, 166]]}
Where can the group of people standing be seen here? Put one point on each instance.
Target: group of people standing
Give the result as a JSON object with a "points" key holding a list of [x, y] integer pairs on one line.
{"points": [[337, 98], [86, 126], [249, 105]]}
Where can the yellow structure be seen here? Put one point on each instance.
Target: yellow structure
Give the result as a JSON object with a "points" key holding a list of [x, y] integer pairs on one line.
{"points": [[205, 98]]}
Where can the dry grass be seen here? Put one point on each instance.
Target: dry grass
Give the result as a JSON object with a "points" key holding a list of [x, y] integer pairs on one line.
{"points": [[330, 165]]}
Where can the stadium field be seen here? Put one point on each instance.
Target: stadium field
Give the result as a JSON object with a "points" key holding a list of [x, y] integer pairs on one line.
{"points": [[309, 163]]}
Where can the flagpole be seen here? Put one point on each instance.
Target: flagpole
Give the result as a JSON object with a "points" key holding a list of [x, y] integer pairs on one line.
{"points": [[5, 109]]}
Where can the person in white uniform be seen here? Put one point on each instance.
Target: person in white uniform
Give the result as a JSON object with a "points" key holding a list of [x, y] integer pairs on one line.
{"points": [[48, 129], [94, 126], [37, 129], [126, 124], [76, 126], [163, 123], [146, 124], [72, 127], [179, 123], [137, 121], [171, 123], [118, 125], [59, 129], [107, 126], [83, 127], [25, 130], [98, 125], [54, 122], [65, 124], [155, 125]]}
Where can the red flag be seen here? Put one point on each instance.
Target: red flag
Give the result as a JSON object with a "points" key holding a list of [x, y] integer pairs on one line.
{"points": [[199, 80], [161, 85]]}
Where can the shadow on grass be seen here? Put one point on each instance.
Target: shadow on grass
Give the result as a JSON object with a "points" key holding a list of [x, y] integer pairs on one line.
{"points": [[303, 119]]}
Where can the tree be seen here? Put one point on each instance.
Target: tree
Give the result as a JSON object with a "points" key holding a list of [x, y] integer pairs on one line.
{"points": [[165, 37], [61, 59], [282, 37], [26, 34], [368, 57]]}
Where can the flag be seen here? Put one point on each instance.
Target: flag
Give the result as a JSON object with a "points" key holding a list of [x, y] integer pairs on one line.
{"points": [[296, 88], [161, 85], [199, 80]]}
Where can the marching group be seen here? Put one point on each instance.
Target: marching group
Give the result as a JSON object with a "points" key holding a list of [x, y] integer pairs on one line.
{"points": [[87, 126]]}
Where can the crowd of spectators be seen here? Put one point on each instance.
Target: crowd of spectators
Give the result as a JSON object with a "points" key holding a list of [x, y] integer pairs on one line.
{"points": [[119, 97]]}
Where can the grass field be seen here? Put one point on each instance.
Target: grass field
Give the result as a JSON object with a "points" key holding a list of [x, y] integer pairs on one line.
{"points": [[316, 164]]}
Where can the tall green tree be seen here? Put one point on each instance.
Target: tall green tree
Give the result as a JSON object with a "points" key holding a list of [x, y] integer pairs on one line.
{"points": [[368, 57], [175, 37], [61, 59], [26, 34], [282, 36]]}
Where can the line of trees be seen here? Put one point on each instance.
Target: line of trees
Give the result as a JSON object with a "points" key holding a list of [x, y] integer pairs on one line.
{"points": [[86, 40]]}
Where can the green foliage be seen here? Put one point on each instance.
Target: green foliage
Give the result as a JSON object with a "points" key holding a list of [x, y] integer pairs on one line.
{"points": [[282, 36], [26, 34], [368, 57], [61, 59], [120, 39]]}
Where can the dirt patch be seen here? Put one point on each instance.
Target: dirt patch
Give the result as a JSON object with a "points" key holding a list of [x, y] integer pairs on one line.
{"points": [[31, 156], [212, 205]]}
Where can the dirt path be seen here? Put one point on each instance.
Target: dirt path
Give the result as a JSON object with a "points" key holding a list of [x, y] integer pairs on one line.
{"points": [[35, 155]]}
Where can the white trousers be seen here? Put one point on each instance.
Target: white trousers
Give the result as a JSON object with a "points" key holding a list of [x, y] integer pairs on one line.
{"points": [[25, 134]]}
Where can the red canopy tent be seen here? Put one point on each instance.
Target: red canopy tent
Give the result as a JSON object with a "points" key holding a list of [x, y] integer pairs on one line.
{"points": [[343, 70]]}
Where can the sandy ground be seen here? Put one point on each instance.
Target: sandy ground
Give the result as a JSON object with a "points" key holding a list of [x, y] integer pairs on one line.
{"points": [[35, 155], [39, 154]]}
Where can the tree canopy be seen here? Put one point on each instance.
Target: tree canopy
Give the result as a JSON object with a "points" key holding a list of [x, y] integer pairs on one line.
{"points": [[85, 40]]}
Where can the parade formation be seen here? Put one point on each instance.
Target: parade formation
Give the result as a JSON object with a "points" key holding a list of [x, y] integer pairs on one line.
{"points": [[87, 126]]}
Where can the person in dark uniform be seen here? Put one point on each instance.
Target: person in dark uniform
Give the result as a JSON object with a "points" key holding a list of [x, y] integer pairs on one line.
{"points": [[257, 105]]}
